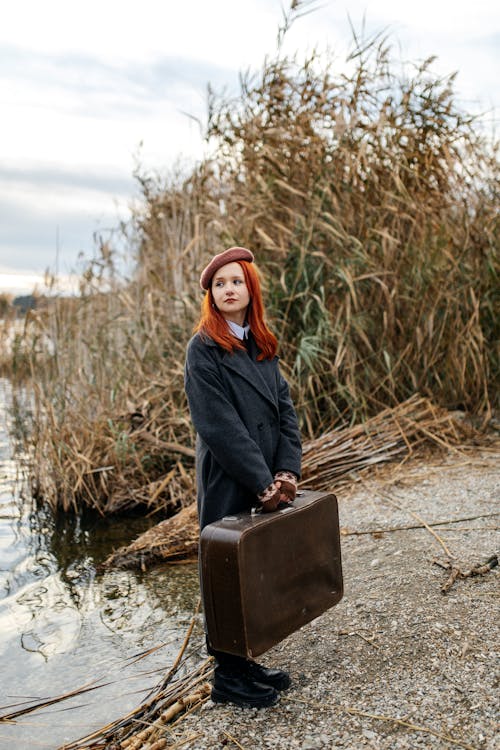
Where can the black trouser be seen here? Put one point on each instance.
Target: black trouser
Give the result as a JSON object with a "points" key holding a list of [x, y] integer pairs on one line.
{"points": [[227, 662]]}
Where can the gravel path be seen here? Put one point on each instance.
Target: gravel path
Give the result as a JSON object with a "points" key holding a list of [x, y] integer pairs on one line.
{"points": [[396, 664]]}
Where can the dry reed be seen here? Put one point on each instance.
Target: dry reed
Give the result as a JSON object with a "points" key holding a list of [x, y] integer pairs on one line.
{"points": [[149, 725], [371, 202]]}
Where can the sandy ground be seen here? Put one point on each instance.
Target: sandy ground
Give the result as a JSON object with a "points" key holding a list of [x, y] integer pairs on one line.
{"points": [[397, 664]]}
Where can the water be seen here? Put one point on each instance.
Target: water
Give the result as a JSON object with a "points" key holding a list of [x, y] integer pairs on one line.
{"points": [[63, 626]]}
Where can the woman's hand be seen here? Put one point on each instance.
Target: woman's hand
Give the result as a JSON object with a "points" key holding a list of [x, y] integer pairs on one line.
{"points": [[287, 482], [270, 498]]}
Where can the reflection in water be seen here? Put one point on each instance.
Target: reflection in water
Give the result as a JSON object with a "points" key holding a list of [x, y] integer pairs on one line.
{"points": [[62, 625]]}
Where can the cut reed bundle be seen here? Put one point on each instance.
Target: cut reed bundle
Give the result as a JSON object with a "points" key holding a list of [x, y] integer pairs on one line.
{"points": [[147, 727], [172, 540], [329, 460]]}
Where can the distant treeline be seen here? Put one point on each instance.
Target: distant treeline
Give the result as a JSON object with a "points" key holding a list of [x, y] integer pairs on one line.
{"points": [[18, 305], [371, 201]]}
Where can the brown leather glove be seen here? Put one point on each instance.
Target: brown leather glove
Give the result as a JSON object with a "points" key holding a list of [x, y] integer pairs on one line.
{"points": [[288, 484], [270, 497]]}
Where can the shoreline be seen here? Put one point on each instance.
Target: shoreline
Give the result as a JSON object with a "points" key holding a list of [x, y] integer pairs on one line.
{"points": [[396, 665]]}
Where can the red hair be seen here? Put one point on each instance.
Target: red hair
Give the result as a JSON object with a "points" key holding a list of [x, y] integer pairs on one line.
{"points": [[213, 325]]}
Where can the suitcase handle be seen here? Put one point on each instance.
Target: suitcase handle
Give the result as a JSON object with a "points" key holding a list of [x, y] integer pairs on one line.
{"points": [[282, 507]]}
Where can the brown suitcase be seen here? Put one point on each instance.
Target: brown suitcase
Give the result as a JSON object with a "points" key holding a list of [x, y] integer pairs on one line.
{"points": [[264, 575]]}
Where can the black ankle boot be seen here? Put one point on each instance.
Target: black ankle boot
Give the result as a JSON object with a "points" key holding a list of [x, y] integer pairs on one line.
{"points": [[276, 678], [239, 688]]}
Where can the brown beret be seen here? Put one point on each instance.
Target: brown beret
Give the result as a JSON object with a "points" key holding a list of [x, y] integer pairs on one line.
{"points": [[219, 260]]}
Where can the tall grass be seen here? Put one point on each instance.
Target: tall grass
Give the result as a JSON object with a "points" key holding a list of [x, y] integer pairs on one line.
{"points": [[371, 202]]}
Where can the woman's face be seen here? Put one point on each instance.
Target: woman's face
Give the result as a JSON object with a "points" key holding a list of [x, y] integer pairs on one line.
{"points": [[230, 292]]}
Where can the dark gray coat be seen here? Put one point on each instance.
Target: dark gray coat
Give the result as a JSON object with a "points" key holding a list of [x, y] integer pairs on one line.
{"points": [[245, 422]]}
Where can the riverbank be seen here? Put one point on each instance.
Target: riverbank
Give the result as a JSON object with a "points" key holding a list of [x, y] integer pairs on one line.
{"points": [[397, 665], [61, 625]]}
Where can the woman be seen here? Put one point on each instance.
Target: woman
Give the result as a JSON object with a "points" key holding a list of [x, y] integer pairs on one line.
{"points": [[248, 448]]}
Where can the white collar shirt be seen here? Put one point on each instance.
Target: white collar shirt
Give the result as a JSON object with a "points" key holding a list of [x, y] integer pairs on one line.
{"points": [[241, 332]]}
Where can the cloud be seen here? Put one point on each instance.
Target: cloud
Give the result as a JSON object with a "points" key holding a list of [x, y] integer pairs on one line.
{"points": [[90, 81], [71, 131], [446, 17], [19, 283], [220, 32], [78, 110], [39, 225], [84, 84], [58, 177]]}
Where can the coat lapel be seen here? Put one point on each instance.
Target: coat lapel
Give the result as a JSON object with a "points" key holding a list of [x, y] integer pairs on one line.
{"points": [[252, 371]]}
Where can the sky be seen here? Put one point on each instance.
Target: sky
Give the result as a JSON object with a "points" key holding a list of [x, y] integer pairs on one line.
{"points": [[90, 90]]}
